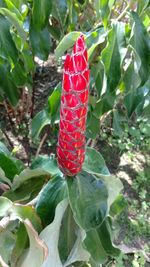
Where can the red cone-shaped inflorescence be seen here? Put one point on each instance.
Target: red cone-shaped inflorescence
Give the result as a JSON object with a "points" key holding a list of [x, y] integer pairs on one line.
{"points": [[73, 111]]}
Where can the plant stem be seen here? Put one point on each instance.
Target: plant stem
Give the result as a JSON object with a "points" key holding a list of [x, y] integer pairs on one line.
{"points": [[123, 13], [41, 144]]}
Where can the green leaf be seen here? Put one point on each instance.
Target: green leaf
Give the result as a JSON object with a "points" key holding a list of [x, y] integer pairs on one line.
{"points": [[133, 99], [13, 9], [27, 212], [99, 243], [50, 235], [21, 212], [27, 185], [118, 206], [8, 89], [3, 149], [98, 77], [105, 104], [142, 5], [117, 123], [142, 48], [12, 18], [40, 120], [93, 244], [27, 191], [40, 13], [26, 175], [5, 204], [52, 193], [93, 39], [103, 11], [113, 55], [114, 187], [40, 42], [7, 240], [54, 103], [94, 162], [46, 163], [88, 200], [59, 11], [67, 42], [37, 252], [20, 244], [93, 126], [10, 165], [8, 48], [67, 235], [3, 178], [78, 253]]}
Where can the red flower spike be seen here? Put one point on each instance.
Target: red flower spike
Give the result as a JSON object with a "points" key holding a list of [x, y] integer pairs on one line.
{"points": [[73, 112]]}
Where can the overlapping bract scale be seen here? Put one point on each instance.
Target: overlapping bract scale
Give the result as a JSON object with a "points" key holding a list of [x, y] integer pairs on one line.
{"points": [[73, 111]]}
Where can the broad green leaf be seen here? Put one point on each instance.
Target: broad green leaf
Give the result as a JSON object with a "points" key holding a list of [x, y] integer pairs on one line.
{"points": [[88, 200], [117, 122], [13, 9], [7, 242], [103, 11], [40, 13], [93, 126], [105, 104], [26, 212], [50, 235], [68, 235], [5, 205], [19, 74], [99, 243], [54, 103], [3, 178], [27, 191], [7, 85], [21, 212], [8, 48], [114, 187], [40, 42], [67, 42], [78, 253], [142, 5], [40, 120], [26, 175], [118, 205], [12, 18], [113, 54], [20, 244], [94, 162], [93, 39], [48, 164], [53, 192], [37, 252], [93, 244], [131, 78], [59, 11], [3, 149], [133, 99], [99, 78], [141, 47], [27, 185], [10, 165]]}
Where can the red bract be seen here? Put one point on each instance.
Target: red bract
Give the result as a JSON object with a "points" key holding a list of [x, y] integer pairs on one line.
{"points": [[73, 111]]}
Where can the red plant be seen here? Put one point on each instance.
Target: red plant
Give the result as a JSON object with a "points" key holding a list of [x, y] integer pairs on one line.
{"points": [[73, 111]]}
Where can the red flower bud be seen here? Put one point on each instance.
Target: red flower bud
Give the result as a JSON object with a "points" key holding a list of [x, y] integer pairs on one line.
{"points": [[73, 111]]}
